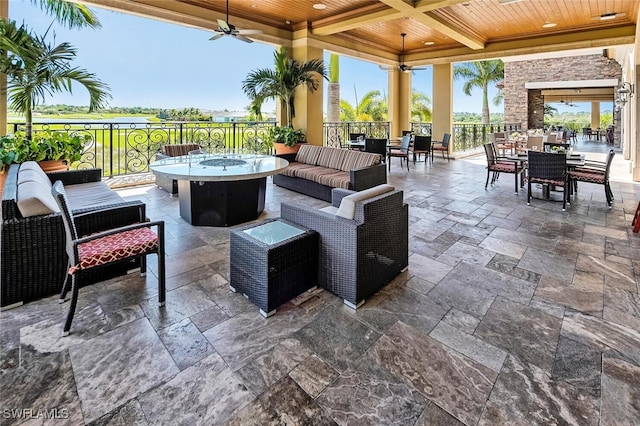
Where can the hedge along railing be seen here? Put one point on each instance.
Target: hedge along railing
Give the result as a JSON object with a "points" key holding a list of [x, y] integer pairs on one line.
{"points": [[126, 148]]}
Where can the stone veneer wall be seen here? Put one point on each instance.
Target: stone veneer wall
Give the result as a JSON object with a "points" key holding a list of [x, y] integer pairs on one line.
{"points": [[526, 106]]}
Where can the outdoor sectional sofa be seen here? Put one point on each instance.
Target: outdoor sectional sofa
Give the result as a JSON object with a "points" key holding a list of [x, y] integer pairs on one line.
{"points": [[33, 258], [316, 170]]}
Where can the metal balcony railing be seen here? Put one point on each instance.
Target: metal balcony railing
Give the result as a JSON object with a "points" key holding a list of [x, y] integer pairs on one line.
{"points": [[128, 147]]}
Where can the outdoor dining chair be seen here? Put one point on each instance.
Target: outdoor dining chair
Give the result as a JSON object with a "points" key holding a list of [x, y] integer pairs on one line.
{"points": [[442, 146], [103, 248], [377, 146], [497, 165], [402, 152], [421, 145], [594, 172], [549, 170]]}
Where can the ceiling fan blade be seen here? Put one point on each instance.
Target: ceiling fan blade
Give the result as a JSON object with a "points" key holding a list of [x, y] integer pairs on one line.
{"points": [[223, 26], [217, 36], [243, 38], [248, 32]]}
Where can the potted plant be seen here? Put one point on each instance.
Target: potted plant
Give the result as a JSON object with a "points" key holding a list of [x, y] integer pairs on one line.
{"points": [[286, 139], [281, 83], [53, 150]]}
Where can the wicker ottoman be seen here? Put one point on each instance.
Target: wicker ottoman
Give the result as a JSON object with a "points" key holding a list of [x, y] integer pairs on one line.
{"points": [[272, 262]]}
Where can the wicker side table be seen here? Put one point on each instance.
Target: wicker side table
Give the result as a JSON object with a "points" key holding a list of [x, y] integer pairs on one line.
{"points": [[272, 262]]}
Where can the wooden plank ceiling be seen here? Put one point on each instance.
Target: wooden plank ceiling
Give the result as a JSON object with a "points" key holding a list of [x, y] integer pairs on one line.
{"points": [[453, 29]]}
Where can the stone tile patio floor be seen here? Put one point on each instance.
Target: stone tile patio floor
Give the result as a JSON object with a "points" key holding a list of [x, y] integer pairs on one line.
{"points": [[508, 314]]}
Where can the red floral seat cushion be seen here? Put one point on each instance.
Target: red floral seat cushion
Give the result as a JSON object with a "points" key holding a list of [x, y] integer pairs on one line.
{"points": [[115, 247], [591, 176], [503, 167]]}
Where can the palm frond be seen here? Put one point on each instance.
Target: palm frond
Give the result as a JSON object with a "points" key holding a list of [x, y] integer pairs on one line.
{"points": [[72, 15]]}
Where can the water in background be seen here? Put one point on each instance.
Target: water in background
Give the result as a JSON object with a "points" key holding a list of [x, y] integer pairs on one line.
{"points": [[92, 120]]}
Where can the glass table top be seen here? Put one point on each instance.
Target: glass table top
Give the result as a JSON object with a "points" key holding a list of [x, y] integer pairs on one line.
{"points": [[273, 232]]}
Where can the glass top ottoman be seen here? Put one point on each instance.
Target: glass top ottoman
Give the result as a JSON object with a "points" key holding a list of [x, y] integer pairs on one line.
{"points": [[272, 262]]}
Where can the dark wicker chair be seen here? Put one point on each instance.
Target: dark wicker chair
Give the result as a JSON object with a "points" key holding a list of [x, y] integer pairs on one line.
{"points": [[401, 152], [594, 172], [442, 146], [549, 170], [104, 248], [421, 145], [377, 146], [33, 260], [497, 165], [359, 256]]}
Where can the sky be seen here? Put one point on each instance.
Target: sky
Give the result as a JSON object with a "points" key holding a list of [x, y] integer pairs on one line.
{"points": [[149, 63]]}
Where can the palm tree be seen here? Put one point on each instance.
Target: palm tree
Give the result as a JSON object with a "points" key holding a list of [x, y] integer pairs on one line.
{"points": [[480, 74], [73, 15], [420, 107], [35, 69], [281, 83], [333, 89], [370, 108]]}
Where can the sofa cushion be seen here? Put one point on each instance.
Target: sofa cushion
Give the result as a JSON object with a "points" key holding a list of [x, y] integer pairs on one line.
{"points": [[335, 180], [31, 171], [347, 207], [331, 157], [309, 154], [314, 172], [354, 160], [34, 199], [292, 168], [91, 194]]}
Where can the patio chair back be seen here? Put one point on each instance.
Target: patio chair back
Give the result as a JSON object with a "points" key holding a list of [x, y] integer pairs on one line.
{"points": [[376, 146], [534, 141], [355, 136], [547, 168]]}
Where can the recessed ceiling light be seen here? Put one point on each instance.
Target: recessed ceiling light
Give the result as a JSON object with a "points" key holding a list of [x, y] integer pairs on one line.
{"points": [[608, 16], [509, 1], [549, 25], [429, 43], [319, 6]]}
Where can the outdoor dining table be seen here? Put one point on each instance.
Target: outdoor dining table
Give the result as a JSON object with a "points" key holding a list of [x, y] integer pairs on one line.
{"points": [[573, 161]]}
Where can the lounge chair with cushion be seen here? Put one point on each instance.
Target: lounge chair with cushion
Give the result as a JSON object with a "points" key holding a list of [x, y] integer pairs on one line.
{"points": [[364, 239]]}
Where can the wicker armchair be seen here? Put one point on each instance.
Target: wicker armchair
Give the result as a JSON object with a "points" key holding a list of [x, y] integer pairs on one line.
{"points": [[358, 256], [33, 259]]}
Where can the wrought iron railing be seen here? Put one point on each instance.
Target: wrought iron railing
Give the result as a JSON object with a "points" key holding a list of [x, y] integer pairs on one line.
{"points": [[336, 134], [467, 137], [128, 147]]}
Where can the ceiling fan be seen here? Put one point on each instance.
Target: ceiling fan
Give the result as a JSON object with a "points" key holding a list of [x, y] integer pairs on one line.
{"points": [[226, 29], [404, 67]]}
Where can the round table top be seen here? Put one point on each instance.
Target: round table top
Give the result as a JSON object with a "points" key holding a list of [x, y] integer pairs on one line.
{"points": [[218, 167]]}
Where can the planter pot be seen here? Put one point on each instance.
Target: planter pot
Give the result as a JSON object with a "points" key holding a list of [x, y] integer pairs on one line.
{"points": [[53, 165], [282, 149]]}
